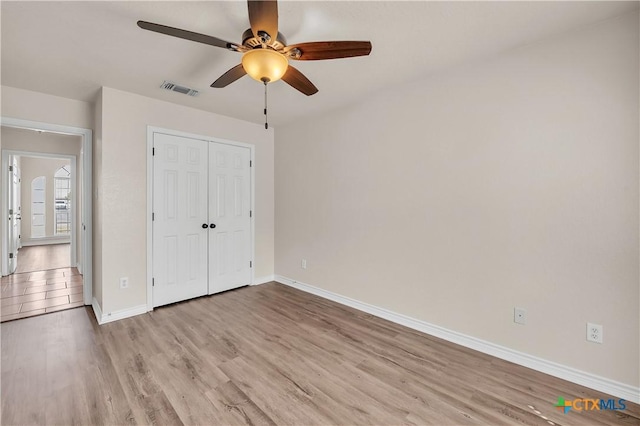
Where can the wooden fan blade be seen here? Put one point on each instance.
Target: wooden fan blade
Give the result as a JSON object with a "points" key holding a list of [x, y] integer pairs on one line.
{"points": [[263, 16], [229, 77], [298, 81], [318, 50], [187, 35]]}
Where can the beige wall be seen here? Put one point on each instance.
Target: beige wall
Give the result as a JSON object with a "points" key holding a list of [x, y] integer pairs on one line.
{"points": [[32, 168], [45, 142], [122, 186], [510, 182], [35, 106]]}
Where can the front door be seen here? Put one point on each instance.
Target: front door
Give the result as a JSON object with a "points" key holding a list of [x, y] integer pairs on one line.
{"points": [[180, 167]]}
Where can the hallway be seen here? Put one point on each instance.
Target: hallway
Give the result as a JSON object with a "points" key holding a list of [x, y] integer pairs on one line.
{"points": [[44, 282]]}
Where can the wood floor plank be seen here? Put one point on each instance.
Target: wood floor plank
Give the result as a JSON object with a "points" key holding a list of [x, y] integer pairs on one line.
{"points": [[187, 393], [270, 393], [24, 370], [265, 355], [234, 407]]}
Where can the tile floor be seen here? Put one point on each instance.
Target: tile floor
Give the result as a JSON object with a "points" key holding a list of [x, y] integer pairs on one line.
{"points": [[34, 293]]}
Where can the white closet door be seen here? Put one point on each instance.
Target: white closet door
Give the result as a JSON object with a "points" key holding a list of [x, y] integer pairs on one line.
{"points": [[180, 167], [229, 208]]}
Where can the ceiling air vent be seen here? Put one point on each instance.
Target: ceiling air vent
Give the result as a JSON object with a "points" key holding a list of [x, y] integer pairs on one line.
{"points": [[169, 85]]}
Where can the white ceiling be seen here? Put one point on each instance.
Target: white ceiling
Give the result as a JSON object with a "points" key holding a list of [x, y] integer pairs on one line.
{"points": [[70, 49]]}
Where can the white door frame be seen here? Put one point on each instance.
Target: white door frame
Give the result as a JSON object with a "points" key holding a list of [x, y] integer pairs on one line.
{"points": [[11, 187], [86, 157], [150, 131]]}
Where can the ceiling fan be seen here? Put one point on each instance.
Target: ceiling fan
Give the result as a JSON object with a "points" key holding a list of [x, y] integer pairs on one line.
{"points": [[265, 51]]}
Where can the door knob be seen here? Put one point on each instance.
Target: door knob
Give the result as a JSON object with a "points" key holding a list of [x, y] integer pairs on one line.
{"points": [[205, 226], [213, 225]]}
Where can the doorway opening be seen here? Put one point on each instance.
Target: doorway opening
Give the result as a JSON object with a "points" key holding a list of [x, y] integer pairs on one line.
{"points": [[46, 249], [43, 232]]}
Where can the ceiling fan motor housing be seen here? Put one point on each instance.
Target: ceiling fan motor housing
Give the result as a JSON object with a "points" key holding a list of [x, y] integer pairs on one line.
{"points": [[251, 41]]}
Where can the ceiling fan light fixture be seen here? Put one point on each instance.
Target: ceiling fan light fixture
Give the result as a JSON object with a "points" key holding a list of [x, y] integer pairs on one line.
{"points": [[264, 64]]}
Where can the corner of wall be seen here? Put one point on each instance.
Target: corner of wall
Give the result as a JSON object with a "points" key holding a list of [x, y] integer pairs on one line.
{"points": [[97, 202]]}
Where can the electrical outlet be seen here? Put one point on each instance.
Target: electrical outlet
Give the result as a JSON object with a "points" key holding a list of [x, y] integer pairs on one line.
{"points": [[303, 265], [124, 282], [519, 316], [594, 333]]}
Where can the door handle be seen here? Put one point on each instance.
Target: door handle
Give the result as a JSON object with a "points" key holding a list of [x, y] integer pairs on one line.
{"points": [[205, 226], [213, 225]]}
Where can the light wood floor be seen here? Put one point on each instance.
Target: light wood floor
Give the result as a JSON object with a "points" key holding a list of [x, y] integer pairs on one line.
{"points": [[267, 354], [40, 258]]}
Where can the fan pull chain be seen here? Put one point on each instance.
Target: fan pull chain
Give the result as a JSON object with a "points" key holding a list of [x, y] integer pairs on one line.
{"points": [[266, 123]]}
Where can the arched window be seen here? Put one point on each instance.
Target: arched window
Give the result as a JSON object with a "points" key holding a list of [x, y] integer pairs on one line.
{"points": [[38, 205], [62, 185]]}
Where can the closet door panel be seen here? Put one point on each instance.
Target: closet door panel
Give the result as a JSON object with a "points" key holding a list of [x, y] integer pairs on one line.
{"points": [[180, 243], [229, 208]]}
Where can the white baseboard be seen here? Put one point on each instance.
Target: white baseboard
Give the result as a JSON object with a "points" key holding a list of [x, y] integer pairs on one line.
{"points": [[602, 384], [96, 310], [116, 315], [45, 241], [263, 280]]}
